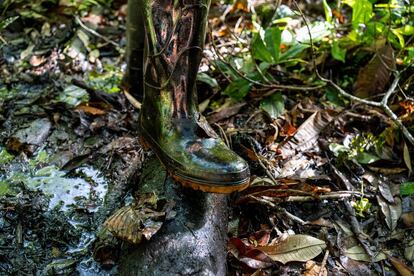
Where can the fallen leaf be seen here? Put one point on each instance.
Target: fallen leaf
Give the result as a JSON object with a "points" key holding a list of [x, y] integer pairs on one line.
{"points": [[224, 113], [248, 254], [307, 134], [358, 253], [135, 222], [90, 110], [37, 60], [299, 248], [402, 268], [373, 78], [312, 269], [391, 211]]}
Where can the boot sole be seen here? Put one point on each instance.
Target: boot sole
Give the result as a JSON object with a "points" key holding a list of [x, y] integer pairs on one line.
{"points": [[195, 184]]}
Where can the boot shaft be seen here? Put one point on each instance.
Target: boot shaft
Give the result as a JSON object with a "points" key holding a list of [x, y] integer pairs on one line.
{"points": [[175, 33]]}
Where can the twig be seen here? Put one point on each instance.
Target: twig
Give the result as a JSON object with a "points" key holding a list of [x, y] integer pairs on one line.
{"points": [[325, 258], [384, 102], [281, 209], [95, 33]]}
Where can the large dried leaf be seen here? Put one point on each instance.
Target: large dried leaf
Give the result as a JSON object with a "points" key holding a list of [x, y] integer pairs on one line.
{"points": [[391, 211], [358, 253], [374, 77], [298, 248], [402, 268], [307, 134], [134, 222]]}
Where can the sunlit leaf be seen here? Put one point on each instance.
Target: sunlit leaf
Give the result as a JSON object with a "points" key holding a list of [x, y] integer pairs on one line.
{"points": [[361, 12], [273, 105], [299, 248], [328, 11]]}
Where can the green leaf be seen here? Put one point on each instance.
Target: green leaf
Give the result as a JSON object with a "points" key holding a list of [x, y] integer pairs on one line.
{"points": [[337, 52], [238, 89], [272, 40], [259, 49], [273, 105], [407, 189], [328, 11], [293, 52], [6, 22], [5, 189], [361, 13], [203, 77], [338, 149], [366, 158]]}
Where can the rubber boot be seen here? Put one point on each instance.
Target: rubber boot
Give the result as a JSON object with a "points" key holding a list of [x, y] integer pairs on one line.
{"points": [[170, 122]]}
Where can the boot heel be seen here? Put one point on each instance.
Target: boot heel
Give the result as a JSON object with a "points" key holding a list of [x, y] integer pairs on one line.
{"points": [[143, 143]]}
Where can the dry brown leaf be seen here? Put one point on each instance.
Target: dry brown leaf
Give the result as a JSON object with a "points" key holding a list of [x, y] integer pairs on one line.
{"points": [[312, 269], [402, 268], [307, 134], [374, 77], [299, 248], [90, 110], [391, 211], [37, 60]]}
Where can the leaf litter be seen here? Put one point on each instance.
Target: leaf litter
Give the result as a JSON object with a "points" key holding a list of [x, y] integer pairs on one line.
{"points": [[330, 191]]}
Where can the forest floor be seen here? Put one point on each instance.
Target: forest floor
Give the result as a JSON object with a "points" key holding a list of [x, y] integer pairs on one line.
{"points": [[331, 190]]}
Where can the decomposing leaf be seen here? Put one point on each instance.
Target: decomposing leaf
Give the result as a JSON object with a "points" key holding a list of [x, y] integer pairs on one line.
{"points": [[299, 248], [226, 112], [248, 254], [355, 267], [312, 269], [391, 211], [373, 78], [307, 134], [409, 251], [402, 268], [134, 222], [358, 253]]}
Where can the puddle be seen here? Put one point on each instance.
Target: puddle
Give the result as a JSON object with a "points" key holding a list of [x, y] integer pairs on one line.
{"points": [[67, 191]]}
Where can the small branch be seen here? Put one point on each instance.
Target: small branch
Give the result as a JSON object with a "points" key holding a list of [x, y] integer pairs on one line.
{"points": [[325, 258], [95, 33]]}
